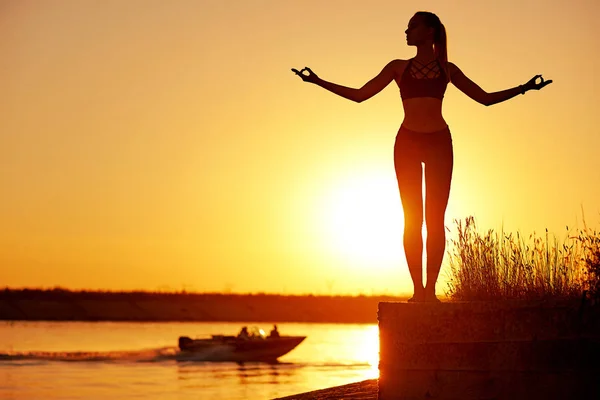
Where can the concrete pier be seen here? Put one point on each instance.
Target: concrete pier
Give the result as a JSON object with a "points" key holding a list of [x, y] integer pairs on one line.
{"points": [[480, 350]]}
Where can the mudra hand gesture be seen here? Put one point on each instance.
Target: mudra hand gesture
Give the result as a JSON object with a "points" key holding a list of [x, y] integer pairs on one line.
{"points": [[533, 85], [311, 77]]}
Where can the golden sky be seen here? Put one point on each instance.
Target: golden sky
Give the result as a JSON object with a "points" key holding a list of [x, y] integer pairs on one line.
{"points": [[149, 144]]}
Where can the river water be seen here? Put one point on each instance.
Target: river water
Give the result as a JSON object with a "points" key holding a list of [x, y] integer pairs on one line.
{"points": [[101, 360]]}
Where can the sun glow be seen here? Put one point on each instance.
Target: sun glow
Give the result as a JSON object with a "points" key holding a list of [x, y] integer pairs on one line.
{"points": [[363, 221]]}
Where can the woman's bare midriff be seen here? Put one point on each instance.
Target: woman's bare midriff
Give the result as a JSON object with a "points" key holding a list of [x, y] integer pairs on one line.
{"points": [[423, 114]]}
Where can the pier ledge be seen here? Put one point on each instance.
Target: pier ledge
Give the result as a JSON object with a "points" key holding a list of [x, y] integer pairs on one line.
{"points": [[488, 350]]}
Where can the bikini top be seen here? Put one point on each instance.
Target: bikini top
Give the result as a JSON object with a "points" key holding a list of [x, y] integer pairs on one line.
{"points": [[420, 80]]}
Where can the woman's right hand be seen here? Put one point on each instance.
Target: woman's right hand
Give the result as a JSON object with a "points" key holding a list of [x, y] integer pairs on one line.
{"points": [[311, 77]]}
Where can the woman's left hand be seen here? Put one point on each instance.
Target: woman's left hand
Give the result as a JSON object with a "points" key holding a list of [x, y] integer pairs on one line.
{"points": [[532, 84]]}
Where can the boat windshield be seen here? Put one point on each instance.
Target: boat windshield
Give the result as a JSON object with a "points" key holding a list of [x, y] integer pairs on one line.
{"points": [[256, 332]]}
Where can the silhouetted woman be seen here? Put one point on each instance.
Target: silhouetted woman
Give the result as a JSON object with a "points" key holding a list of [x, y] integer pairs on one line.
{"points": [[424, 137]]}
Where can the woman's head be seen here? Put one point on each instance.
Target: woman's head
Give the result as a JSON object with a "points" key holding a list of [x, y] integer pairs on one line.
{"points": [[425, 28]]}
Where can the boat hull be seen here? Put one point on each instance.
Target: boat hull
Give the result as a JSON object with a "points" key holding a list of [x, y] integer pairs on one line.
{"points": [[228, 348]]}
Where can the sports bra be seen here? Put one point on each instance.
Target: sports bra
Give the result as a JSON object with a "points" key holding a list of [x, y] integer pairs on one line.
{"points": [[415, 81]]}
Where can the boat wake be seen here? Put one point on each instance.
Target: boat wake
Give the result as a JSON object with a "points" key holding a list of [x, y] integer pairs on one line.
{"points": [[145, 355], [161, 354]]}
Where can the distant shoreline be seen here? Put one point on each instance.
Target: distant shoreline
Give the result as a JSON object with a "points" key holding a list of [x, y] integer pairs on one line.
{"points": [[67, 305]]}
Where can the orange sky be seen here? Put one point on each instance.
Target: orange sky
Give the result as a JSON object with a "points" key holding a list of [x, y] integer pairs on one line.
{"points": [[147, 144]]}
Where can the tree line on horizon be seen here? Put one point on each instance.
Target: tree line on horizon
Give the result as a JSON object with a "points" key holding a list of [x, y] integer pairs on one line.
{"points": [[58, 291]]}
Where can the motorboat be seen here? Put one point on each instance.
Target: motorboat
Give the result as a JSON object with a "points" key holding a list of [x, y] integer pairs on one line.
{"points": [[249, 345]]}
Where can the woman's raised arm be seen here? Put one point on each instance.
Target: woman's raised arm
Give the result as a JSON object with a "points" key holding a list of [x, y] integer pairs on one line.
{"points": [[368, 90], [471, 89]]}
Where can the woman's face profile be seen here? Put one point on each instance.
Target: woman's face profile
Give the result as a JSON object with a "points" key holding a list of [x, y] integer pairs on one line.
{"points": [[417, 32]]}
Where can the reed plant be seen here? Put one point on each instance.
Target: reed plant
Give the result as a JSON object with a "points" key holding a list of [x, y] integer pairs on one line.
{"points": [[500, 266], [590, 242]]}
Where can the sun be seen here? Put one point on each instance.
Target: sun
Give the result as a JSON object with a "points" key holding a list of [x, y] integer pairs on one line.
{"points": [[362, 219]]}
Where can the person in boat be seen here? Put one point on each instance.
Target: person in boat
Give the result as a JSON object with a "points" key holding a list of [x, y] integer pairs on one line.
{"points": [[424, 137], [274, 332], [244, 333]]}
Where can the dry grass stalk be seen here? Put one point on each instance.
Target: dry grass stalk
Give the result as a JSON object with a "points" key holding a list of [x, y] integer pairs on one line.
{"points": [[500, 266]]}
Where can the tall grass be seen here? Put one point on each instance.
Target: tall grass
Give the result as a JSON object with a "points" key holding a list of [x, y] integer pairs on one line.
{"points": [[499, 266]]}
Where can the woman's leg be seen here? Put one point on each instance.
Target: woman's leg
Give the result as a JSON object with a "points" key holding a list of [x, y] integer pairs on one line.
{"points": [[438, 176], [409, 174]]}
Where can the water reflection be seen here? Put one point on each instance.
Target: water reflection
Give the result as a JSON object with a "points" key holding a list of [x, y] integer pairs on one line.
{"points": [[246, 373], [272, 373]]}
